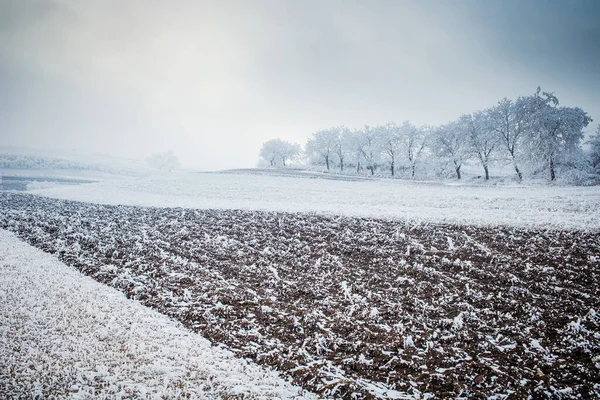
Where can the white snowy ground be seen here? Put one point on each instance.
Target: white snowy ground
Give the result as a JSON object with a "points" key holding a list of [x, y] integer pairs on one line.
{"points": [[59, 328], [41, 174], [515, 205]]}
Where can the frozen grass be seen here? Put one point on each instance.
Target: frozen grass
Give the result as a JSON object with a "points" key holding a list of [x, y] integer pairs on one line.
{"points": [[508, 205], [62, 334]]}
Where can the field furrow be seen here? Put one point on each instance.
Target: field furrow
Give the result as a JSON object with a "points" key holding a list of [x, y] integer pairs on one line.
{"points": [[350, 307]]}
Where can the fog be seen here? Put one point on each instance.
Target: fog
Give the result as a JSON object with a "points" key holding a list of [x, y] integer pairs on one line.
{"points": [[213, 80]]}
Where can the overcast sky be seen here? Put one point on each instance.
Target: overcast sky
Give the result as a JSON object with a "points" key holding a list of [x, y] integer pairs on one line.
{"points": [[212, 80]]}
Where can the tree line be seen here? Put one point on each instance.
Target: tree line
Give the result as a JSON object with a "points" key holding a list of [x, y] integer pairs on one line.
{"points": [[535, 134]]}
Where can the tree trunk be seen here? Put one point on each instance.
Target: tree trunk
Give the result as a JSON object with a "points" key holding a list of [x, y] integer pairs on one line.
{"points": [[357, 167], [283, 161], [341, 165], [412, 171], [458, 172], [392, 167], [552, 172], [517, 170], [327, 162], [519, 174], [372, 170], [487, 173]]}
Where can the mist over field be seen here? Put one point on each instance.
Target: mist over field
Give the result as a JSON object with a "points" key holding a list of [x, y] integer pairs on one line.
{"points": [[212, 81], [285, 199]]}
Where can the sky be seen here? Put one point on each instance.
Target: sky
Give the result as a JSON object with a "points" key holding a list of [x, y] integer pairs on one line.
{"points": [[213, 80]]}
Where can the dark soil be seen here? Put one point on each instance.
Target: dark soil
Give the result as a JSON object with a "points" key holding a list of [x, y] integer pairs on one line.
{"points": [[350, 307]]}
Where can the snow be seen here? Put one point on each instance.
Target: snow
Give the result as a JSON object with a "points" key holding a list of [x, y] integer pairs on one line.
{"points": [[41, 185], [64, 334], [535, 343], [50, 174], [458, 322], [341, 305], [509, 205]]}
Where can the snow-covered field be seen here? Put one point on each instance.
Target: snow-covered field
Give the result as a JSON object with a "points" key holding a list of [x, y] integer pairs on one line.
{"points": [[512, 205], [350, 307], [385, 307], [62, 334]]}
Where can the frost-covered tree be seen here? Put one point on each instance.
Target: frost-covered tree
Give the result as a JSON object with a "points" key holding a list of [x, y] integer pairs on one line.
{"points": [[344, 146], [166, 161], [355, 143], [276, 151], [450, 143], [289, 152], [413, 140], [532, 132], [556, 132], [322, 145], [594, 153], [510, 122], [269, 151], [389, 139], [370, 147], [482, 138]]}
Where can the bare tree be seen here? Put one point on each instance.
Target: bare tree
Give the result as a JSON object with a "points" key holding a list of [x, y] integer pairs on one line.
{"points": [[270, 151], [451, 144], [556, 132], [355, 147], [343, 146], [323, 145], [370, 148], [389, 139], [413, 140], [594, 153], [482, 138], [509, 120], [277, 151]]}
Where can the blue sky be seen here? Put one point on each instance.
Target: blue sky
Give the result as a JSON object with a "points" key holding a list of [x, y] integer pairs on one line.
{"points": [[213, 80]]}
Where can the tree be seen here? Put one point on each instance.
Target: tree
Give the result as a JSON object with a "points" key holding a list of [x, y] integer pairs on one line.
{"points": [[413, 140], [388, 139], [451, 144], [556, 132], [166, 161], [343, 146], [323, 145], [275, 151], [370, 148], [594, 153], [270, 151], [510, 120], [355, 147], [289, 151], [482, 138]]}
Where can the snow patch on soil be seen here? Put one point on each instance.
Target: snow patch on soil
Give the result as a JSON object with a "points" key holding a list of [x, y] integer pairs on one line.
{"points": [[520, 206], [62, 334]]}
